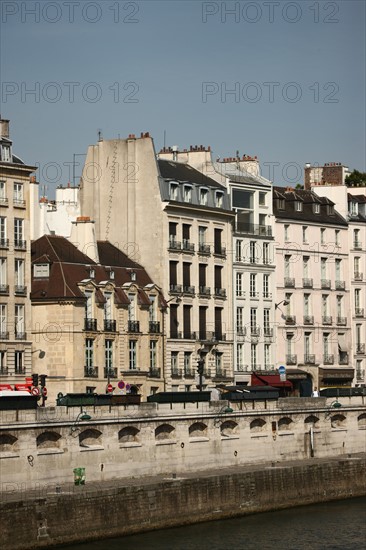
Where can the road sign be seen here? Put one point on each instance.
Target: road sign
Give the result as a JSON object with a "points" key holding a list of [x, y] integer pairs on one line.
{"points": [[35, 391], [121, 384], [128, 387], [282, 369], [44, 392], [109, 388]]}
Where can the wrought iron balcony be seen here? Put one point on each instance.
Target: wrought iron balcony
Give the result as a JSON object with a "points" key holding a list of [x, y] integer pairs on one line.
{"points": [[109, 325], [20, 290], [357, 245], [90, 325], [154, 327], [91, 372], [340, 285], [190, 290], [20, 335], [253, 294], [255, 331], [326, 284], [187, 246], [267, 295], [110, 372], [358, 276], [342, 321], [174, 245], [308, 319], [360, 375], [268, 332], [154, 373], [307, 283], [289, 282], [4, 371], [19, 370], [220, 251], [290, 320], [4, 289], [309, 359], [204, 248], [327, 320], [359, 312], [189, 373], [241, 331], [187, 335], [240, 293], [176, 373], [211, 336], [291, 359], [360, 348], [220, 374], [220, 292], [4, 335], [328, 359], [133, 326], [19, 244], [204, 291], [253, 229], [175, 289]]}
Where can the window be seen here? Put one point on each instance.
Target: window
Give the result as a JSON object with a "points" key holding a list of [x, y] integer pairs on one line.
{"points": [[266, 319], [322, 235], [187, 193], [3, 324], [5, 153], [286, 232], [173, 195], [339, 306], [3, 365], [252, 252], [3, 230], [203, 197], [3, 274], [305, 266], [287, 265], [132, 354], [132, 307], [253, 318], [326, 343], [267, 355], [298, 206], [19, 321], [108, 354], [266, 259], [239, 357], [324, 305], [19, 274], [153, 346], [307, 344], [266, 286], [19, 362], [353, 208], [2, 191], [239, 284], [262, 199], [306, 304], [289, 343], [281, 204], [304, 234], [253, 356], [336, 237], [88, 304], [18, 196], [219, 199], [316, 208], [111, 275], [357, 297], [239, 320], [108, 306], [89, 353], [174, 360], [323, 268], [356, 267], [41, 270], [152, 308], [238, 248], [356, 238], [218, 361], [18, 231], [187, 361], [202, 235], [252, 285], [242, 199]]}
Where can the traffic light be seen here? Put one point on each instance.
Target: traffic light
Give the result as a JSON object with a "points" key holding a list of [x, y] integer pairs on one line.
{"points": [[35, 380], [43, 379], [200, 366]]}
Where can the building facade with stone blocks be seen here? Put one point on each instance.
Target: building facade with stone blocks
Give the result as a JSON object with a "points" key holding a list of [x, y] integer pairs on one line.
{"points": [[314, 329], [97, 323], [17, 187], [177, 222]]}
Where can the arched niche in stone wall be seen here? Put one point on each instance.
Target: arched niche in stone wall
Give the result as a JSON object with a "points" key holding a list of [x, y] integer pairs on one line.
{"points": [[198, 429], [129, 434], [164, 431]]}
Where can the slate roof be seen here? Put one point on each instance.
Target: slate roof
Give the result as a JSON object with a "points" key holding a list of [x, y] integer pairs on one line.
{"points": [[238, 175], [180, 172]]}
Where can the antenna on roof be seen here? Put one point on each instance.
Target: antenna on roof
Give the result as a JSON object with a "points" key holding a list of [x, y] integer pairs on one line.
{"points": [[100, 134], [164, 137]]}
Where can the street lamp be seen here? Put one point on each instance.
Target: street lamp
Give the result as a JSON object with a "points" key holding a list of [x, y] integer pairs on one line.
{"points": [[284, 302]]}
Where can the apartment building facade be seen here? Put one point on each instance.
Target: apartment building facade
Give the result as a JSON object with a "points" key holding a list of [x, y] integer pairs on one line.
{"points": [[96, 321], [16, 185], [313, 291], [177, 222]]}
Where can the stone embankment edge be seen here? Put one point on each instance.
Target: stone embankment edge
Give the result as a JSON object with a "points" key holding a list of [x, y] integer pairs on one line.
{"points": [[98, 511]]}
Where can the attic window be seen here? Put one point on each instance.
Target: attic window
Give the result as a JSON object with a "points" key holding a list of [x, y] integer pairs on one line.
{"points": [[111, 274], [133, 275], [298, 206], [173, 191], [219, 197], [330, 210], [353, 208], [41, 270], [316, 208], [91, 272], [281, 204]]}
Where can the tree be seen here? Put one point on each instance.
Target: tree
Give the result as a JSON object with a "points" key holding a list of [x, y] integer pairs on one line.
{"points": [[356, 179]]}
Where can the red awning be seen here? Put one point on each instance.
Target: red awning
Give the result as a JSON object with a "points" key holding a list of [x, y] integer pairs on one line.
{"points": [[273, 380]]}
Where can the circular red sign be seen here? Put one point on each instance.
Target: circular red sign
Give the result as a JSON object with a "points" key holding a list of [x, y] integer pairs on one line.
{"points": [[35, 391], [109, 388], [121, 384], [44, 391]]}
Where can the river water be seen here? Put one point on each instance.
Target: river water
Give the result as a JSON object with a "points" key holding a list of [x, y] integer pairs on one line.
{"points": [[338, 525]]}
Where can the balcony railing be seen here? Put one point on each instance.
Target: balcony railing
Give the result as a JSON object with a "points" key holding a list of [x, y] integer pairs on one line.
{"points": [[4, 335], [360, 375], [20, 335], [4, 201], [220, 292], [220, 250], [255, 331], [327, 320], [253, 294], [340, 285], [4, 289], [187, 335], [207, 373], [20, 290], [359, 312], [360, 348], [174, 245], [253, 229], [267, 295], [189, 373], [342, 321], [4, 243], [133, 326], [307, 283], [110, 372], [4, 371], [90, 325], [211, 336], [291, 359], [204, 248], [308, 319], [328, 359], [357, 245], [241, 331], [240, 293], [220, 374], [154, 327], [268, 332], [91, 372], [20, 244], [204, 291], [358, 276], [343, 360], [154, 373], [19, 203], [326, 283], [290, 320], [309, 359], [175, 289], [176, 373], [289, 282], [109, 325], [187, 246], [190, 290], [19, 370]]}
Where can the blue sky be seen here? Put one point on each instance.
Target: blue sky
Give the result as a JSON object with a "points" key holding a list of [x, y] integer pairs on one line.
{"points": [[296, 71]]}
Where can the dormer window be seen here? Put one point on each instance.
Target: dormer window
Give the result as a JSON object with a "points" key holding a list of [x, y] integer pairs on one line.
{"points": [[111, 275], [187, 193], [41, 271], [5, 153], [91, 273], [316, 208], [353, 208], [173, 194], [219, 199], [281, 204], [133, 275], [330, 209], [298, 206], [203, 197]]}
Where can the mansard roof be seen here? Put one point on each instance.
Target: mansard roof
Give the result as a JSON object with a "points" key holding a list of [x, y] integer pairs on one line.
{"points": [[184, 173]]}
